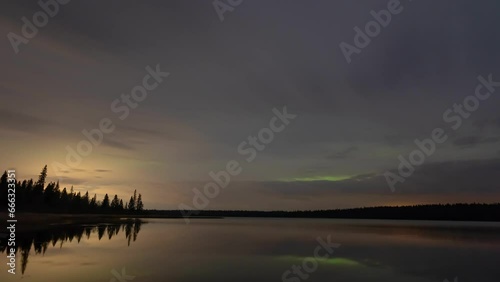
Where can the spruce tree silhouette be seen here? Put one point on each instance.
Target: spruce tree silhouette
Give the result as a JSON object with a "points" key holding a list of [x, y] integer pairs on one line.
{"points": [[131, 205], [140, 205], [115, 203], [3, 189], [105, 203], [38, 189]]}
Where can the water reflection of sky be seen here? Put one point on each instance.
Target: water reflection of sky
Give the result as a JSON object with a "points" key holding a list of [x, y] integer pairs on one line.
{"points": [[262, 249]]}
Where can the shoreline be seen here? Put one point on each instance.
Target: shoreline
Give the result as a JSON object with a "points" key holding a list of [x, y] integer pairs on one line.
{"points": [[40, 220]]}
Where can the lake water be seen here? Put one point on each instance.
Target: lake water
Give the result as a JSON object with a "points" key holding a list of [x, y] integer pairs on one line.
{"points": [[260, 250]]}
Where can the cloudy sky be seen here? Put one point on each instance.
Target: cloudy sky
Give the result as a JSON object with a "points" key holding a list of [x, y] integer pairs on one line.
{"points": [[353, 119]]}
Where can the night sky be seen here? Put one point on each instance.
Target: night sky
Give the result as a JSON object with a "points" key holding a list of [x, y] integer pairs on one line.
{"points": [[353, 120]]}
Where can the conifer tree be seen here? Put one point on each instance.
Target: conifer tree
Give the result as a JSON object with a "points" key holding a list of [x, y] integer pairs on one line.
{"points": [[135, 199], [115, 203], [140, 205], [3, 189], [105, 202], [131, 204]]}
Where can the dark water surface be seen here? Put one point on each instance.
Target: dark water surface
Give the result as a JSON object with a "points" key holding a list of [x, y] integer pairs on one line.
{"points": [[260, 250]]}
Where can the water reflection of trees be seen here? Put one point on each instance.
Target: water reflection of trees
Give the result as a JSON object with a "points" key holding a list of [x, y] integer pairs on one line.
{"points": [[60, 234]]}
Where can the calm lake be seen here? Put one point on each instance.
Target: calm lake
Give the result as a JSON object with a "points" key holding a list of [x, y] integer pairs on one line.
{"points": [[239, 249]]}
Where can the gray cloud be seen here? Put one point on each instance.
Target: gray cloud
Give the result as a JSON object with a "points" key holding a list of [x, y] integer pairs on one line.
{"points": [[143, 131], [66, 180], [18, 121], [473, 176], [473, 141], [340, 155], [103, 170], [113, 143], [483, 123]]}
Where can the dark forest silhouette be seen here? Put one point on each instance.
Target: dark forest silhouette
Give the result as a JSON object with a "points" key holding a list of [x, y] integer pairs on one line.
{"points": [[59, 234], [35, 196], [452, 212]]}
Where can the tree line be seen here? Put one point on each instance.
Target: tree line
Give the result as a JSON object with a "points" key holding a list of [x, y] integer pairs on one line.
{"points": [[452, 212], [39, 196]]}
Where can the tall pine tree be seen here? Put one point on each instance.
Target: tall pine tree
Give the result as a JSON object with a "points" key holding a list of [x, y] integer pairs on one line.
{"points": [[105, 202], [140, 205], [131, 204]]}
